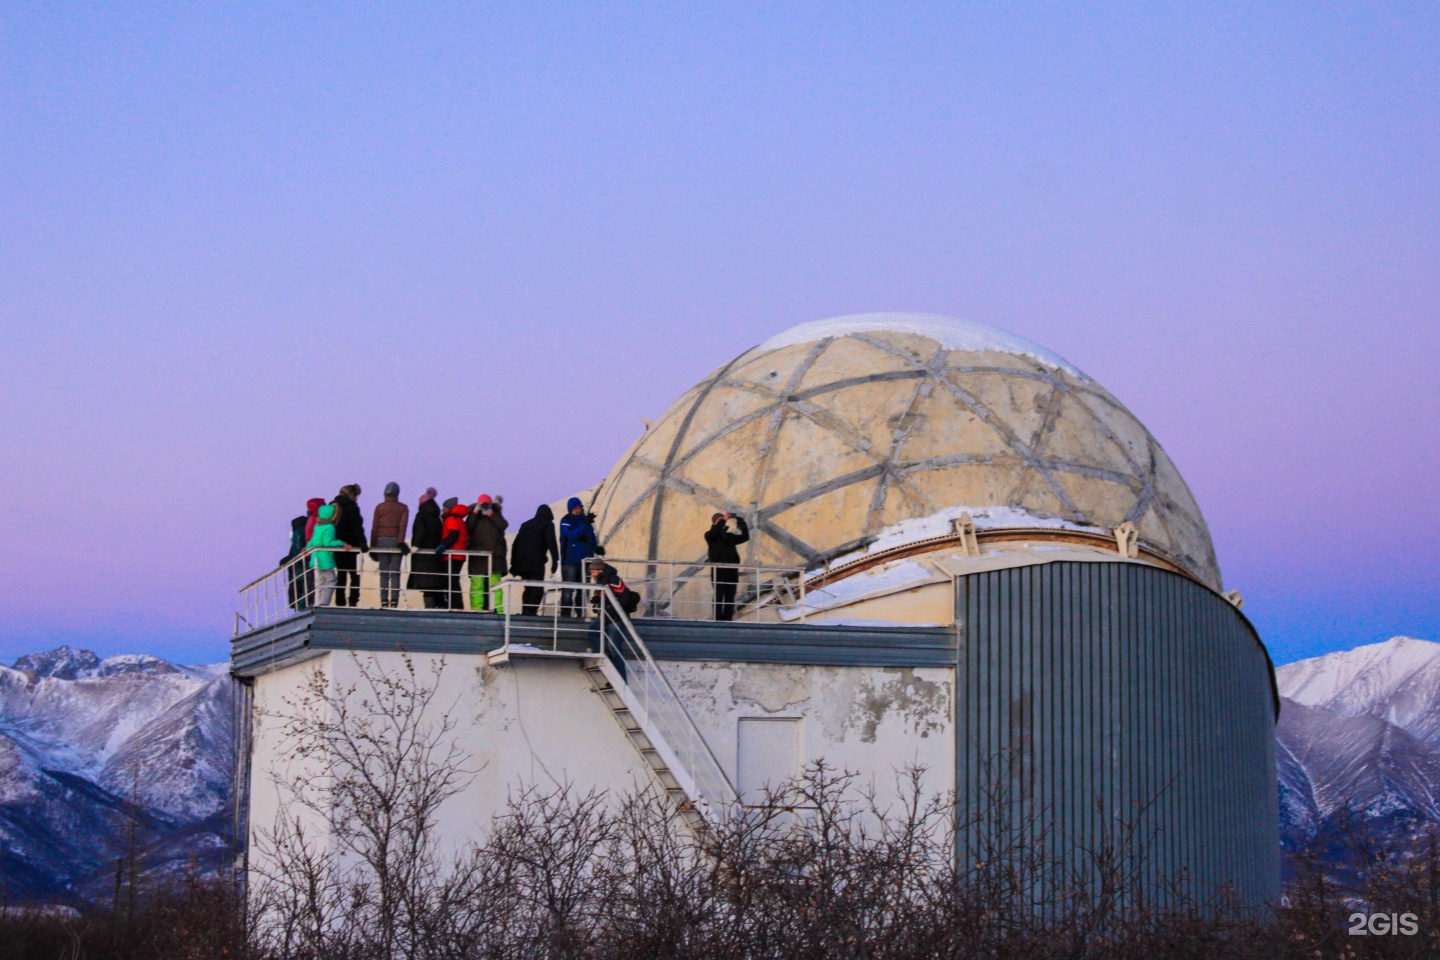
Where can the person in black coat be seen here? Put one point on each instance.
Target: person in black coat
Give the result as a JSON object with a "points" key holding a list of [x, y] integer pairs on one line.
{"points": [[428, 573], [533, 543], [350, 528], [720, 547]]}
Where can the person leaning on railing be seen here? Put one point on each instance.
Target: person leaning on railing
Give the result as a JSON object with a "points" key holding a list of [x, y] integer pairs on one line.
{"points": [[607, 576], [300, 581], [533, 543], [577, 544], [455, 536], [350, 528], [387, 533], [486, 527], [427, 571], [327, 545]]}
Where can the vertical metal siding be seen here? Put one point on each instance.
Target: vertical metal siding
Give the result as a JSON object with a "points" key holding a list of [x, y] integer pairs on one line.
{"points": [[1099, 696]]}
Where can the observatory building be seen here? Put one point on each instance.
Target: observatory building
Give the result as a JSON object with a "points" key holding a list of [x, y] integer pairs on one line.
{"points": [[964, 554]]}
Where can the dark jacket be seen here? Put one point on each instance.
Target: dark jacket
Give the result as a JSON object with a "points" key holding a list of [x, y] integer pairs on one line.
{"points": [[425, 566], [610, 577], [533, 543], [350, 525], [297, 538], [722, 543], [488, 533]]}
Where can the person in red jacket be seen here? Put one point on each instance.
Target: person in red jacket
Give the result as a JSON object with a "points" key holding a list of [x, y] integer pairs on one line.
{"points": [[454, 536]]}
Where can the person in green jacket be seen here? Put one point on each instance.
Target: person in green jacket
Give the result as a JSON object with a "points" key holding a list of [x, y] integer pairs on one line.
{"points": [[322, 561]]}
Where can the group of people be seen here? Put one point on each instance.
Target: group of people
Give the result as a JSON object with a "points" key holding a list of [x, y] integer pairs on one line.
{"points": [[459, 548]]}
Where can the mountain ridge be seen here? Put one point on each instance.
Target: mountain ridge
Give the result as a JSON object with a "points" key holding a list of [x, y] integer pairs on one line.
{"points": [[96, 752], [94, 749]]}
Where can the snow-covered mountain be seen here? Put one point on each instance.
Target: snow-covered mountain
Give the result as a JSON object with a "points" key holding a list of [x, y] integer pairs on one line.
{"points": [[1359, 735], [94, 751]]}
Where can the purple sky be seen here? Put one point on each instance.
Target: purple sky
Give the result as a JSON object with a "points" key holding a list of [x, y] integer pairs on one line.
{"points": [[248, 256]]}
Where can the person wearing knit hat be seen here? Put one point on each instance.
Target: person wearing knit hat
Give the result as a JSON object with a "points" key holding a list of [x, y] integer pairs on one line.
{"points": [[387, 536], [577, 544], [487, 525]]}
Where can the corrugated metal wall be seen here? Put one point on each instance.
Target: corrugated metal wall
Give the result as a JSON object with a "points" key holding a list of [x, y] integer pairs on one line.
{"points": [[1119, 704]]}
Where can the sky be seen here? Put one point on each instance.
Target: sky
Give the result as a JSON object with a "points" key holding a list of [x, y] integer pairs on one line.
{"points": [[251, 252]]}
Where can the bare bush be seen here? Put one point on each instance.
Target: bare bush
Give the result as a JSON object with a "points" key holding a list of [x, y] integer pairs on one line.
{"points": [[824, 866]]}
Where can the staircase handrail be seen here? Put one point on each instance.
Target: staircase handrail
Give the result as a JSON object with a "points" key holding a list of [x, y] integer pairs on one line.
{"points": [[691, 731]]}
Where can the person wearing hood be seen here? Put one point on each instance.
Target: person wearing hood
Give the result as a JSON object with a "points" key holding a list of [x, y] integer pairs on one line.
{"points": [[350, 528], [577, 544], [328, 549], [534, 542], [454, 536], [300, 580], [486, 527], [387, 534], [427, 571]]}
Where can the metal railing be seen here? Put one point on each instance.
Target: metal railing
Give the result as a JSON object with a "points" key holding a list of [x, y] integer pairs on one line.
{"points": [[641, 684], [687, 589], [422, 580], [376, 582]]}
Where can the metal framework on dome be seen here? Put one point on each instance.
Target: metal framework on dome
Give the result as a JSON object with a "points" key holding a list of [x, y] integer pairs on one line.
{"points": [[890, 427]]}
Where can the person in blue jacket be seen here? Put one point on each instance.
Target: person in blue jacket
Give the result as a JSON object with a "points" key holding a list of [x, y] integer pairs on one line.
{"points": [[577, 544]]}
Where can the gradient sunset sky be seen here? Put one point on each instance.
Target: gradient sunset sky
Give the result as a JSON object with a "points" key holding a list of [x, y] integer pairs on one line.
{"points": [[251, 253]]}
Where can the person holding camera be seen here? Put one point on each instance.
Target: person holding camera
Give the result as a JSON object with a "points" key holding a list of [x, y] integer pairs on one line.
{"points": [[487, 525], [721, 549], [577, 544]]}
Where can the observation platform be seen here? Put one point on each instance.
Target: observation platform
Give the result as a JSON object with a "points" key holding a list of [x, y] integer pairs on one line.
{"points": [[325, 629]]}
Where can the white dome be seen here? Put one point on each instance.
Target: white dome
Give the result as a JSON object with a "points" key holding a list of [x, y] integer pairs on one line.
{"points": [[870, 430]]}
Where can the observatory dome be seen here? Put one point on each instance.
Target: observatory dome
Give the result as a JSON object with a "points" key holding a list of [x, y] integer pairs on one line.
{"points": [[865, 433]]}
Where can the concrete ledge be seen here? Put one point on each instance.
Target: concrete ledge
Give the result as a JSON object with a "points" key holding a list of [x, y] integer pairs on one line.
{"points": [[311, 633]]}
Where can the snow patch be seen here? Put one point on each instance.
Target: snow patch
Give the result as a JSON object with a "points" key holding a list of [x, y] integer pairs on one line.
{"points": [[942, 524], [949, 332], [886, 579], [134, 663]]}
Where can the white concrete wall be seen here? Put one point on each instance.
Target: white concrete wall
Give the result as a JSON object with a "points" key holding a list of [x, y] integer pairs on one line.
{"points": [[538, 723], [873, 720], [274, 766]]}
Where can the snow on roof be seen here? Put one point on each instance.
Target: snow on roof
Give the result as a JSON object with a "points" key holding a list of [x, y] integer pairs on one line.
{"points": [[952, 333], [941, 523], [889, 578]]}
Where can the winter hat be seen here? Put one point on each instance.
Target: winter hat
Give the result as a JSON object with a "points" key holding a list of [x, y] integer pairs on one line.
{"points": [[450, 502], [429, 494], [392, 489], [574, 502], [484, 498]]}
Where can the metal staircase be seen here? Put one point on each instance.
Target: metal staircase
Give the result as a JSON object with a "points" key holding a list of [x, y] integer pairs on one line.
{"points": [[640, 698]]}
